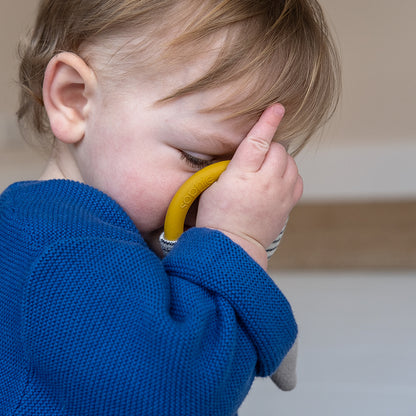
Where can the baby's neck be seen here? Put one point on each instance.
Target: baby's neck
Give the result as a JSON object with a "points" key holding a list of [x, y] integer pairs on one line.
{"points": [[61, 165]]}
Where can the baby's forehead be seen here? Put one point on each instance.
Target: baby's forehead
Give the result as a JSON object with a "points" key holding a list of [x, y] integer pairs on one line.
{"points": [[252, 59]]}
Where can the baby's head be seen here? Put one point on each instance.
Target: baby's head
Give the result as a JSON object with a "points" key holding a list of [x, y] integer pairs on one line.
{"points": [[261, 52]]}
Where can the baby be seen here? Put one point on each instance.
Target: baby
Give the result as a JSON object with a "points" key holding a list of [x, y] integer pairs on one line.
{"points": [[132, 97]]}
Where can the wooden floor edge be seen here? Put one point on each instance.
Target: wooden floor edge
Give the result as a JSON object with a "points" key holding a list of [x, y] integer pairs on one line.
{"points": [[349, 235]]}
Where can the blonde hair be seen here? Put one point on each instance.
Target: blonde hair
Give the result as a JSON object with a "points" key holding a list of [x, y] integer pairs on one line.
{"points": [[280, 50]]}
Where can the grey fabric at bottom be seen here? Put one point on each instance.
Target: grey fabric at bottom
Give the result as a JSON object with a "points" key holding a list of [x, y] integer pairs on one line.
{"points": [[285, 375]]}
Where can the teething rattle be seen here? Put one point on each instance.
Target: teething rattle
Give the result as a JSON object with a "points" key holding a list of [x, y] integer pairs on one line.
{"points": [[183, 199]]}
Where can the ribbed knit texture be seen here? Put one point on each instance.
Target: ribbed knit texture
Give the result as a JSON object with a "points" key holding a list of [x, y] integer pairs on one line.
{"points": [[93, 323]]}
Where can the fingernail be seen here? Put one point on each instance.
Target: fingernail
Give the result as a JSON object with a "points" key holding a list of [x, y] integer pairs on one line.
{"points": [[279, 109]]}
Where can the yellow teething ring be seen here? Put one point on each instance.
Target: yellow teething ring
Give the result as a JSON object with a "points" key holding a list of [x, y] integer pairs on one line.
{"points": [[186, 195]]}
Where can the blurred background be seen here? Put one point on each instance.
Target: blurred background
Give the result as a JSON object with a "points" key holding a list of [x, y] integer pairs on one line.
{"points": [[347, 262]]}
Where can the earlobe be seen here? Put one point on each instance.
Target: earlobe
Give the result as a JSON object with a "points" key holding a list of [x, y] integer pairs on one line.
{"points": [[67, 90]]}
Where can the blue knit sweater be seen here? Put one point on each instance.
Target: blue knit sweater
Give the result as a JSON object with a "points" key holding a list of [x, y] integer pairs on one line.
{"points": [[93, 323]]}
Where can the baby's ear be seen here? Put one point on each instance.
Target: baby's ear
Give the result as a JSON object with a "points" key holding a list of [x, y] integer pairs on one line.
{"points": [[68, 87]]}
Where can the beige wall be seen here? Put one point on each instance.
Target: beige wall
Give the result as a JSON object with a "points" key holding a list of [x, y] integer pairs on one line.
{"points": [[15, 17], [374, 131], [377, 40], [369, 149]]}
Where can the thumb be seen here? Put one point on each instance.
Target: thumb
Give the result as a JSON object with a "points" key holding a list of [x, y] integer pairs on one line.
{"points": [[253, 150]]}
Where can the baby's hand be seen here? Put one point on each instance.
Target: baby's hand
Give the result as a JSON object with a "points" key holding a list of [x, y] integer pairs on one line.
{"points": [[252, 199]]}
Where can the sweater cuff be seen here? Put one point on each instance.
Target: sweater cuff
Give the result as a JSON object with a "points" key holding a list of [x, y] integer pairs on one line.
{"points": [[211, 260]]}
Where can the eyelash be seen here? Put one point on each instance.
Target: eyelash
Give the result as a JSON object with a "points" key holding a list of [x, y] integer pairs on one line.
{"points": [[194, 162]]}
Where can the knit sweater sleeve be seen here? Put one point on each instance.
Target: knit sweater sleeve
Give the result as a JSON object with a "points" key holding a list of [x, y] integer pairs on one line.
{"points": [[109, 329], [227, 270]]}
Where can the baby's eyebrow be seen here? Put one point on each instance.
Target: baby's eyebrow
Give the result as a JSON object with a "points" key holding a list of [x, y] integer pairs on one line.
{"points": [[222, 144]]}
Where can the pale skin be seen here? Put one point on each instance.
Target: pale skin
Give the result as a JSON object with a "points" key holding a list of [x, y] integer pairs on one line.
{"points": [[121, 142]]}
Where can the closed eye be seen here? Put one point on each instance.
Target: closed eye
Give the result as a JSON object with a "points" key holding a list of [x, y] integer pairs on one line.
{"points": [[195, 162]]}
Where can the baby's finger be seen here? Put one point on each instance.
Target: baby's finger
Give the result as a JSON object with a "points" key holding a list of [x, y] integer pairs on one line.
{"points": [[291, 172], [253, 149], [298, 191], [276, 161]]}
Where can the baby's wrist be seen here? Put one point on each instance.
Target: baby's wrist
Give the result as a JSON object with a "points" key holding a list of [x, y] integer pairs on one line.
{"points": [[251, 246]]}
